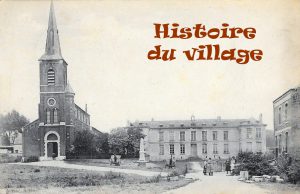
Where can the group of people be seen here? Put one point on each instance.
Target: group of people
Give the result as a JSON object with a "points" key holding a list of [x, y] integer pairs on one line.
{"points": [[208, 166], [229, 165]]}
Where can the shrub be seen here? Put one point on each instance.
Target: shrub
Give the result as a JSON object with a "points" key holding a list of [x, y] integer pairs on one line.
{"points": [[293, 172], [32, 159], [174, 173], [255, 164], [36, 170], [154, 179], [110, 175]]}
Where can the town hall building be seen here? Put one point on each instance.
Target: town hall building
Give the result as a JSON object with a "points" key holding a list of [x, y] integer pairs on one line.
{"points": [[202, 138], [52, 134]]}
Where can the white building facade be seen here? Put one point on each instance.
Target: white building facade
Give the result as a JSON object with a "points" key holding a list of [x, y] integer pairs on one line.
{"points": [[205, 138]]}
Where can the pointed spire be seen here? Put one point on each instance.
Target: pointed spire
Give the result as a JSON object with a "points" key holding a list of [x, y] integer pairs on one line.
{"points": [[52, 50]]}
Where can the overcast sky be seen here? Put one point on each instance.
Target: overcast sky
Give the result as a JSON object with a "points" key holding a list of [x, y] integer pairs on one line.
{"points": [[106, 44]]}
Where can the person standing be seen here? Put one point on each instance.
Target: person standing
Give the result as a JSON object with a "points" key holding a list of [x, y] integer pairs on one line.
{"points": [[232, 164], [205, 167], [209, 167], [227, 166]]}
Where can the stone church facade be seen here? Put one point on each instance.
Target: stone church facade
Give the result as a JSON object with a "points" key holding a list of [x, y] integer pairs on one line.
{"points": [[52, 134], [202, 138]]}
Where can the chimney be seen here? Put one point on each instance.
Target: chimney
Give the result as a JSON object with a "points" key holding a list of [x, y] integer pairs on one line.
{"points": [[260, 118], [86, 108], [193, 118]]}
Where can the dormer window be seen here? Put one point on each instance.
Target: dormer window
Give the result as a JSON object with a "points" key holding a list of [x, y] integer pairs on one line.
{"points": [[51, 77]]}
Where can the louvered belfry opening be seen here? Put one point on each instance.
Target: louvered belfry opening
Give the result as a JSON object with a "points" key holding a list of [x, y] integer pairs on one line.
{"points": [[51, 77]]}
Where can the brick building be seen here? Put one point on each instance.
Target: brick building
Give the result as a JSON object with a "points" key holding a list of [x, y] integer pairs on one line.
{"points": [[286, 110], [53, 133], [204, 138]]}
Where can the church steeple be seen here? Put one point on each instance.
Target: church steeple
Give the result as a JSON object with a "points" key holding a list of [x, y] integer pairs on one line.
{"points": [[52, 50]]}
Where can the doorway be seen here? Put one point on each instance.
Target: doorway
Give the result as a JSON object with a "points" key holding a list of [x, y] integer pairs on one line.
{"points": [[194, 150], [52, 149]]}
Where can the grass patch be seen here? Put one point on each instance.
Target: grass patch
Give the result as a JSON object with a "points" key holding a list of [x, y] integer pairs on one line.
{"points": [[23, 178]]}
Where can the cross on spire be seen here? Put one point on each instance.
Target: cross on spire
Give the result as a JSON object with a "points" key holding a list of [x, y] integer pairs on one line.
{"points": [[52, 50]]}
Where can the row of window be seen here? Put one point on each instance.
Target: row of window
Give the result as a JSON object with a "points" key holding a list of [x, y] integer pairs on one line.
{"points": [[204, 148], [81, 116], [204, 135], [186, 125], [182, 149], [52, 116]]}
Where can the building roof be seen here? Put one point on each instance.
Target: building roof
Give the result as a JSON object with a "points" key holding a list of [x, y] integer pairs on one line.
{"points": [[197, 123], [52, 49], [284, 94]]}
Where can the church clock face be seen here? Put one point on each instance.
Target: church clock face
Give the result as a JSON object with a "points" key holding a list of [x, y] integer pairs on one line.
{"points": [[51, 101]]}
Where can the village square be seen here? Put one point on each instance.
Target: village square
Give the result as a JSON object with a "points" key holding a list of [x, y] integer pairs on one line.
{"points": [[61, 152]]}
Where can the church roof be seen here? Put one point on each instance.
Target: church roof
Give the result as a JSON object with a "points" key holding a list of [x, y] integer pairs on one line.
{"points": [[52, 49]]}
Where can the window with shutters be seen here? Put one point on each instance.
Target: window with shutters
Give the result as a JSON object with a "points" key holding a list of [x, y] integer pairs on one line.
{"points": [[182, 136], [193, 135], [182, 149], [171, 148], [204, 135], [161, 149]]}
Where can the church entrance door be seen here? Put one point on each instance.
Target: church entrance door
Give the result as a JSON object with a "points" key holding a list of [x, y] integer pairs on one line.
{"points": [[52, 149], [52, 145]]}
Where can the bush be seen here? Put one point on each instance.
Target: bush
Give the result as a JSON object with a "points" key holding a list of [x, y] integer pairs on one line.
{"points": [[154, 179], [32, 159], [8, 158], [37, 170], [255, 164], [174, 173], [293, 172]]}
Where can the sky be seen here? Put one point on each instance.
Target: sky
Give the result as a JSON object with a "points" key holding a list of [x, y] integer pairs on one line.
{"points": [[105, 44]]}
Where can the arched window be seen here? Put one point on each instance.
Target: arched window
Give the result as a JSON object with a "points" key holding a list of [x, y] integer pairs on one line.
{"points": [[52, 136], [48, 115], [51, 77], [55, 115]]}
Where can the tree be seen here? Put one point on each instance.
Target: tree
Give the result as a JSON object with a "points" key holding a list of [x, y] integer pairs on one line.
{"points": [[118, 140], [84, 143], [102, 143], [125, 141], [12, 124], [134, 137]]}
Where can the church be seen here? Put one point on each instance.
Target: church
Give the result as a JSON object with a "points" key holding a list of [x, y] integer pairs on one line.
{"points": [[52, 134]]}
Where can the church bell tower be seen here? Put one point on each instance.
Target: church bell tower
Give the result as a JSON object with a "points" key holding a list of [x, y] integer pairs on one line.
{"points": [[56, 96]]}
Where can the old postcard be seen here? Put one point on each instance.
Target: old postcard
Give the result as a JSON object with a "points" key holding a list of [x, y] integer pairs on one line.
{"points": [[146, 96]]}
